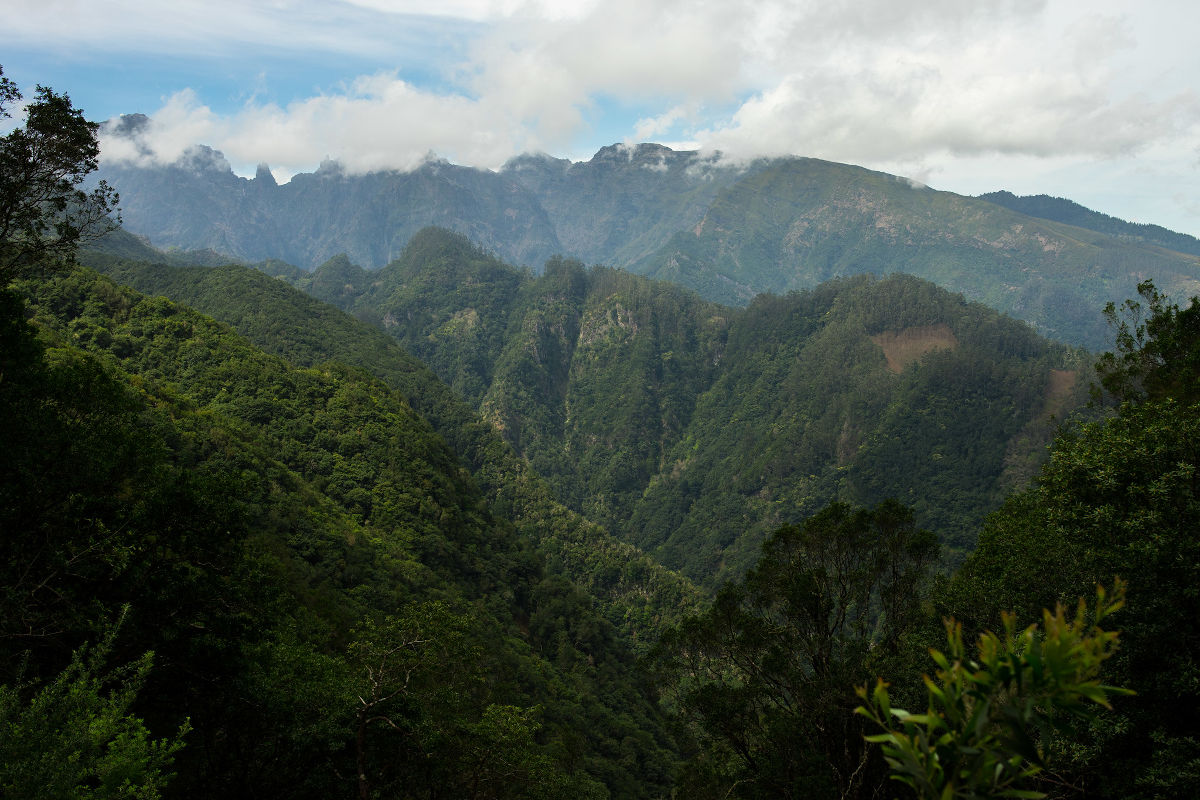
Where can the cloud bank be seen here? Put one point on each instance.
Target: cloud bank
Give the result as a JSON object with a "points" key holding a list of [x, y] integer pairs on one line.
{"points": [[925, 87]]}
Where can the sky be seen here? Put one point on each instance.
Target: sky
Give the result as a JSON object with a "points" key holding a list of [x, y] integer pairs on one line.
{"points": [[1094, 100]]}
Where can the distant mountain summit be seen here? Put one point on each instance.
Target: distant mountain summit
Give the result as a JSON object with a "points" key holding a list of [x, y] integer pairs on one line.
{"points": [[729, 231], [264, 177], [1060, 209]]}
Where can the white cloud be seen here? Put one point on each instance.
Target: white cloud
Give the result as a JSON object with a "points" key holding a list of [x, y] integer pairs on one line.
{"points": [[1003, 86], [650, 128], [379, 122], [239, 30], [929, 85], [482, 10]]}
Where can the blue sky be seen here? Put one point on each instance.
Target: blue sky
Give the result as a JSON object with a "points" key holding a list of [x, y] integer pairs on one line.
{"points": [[1097, 101]]}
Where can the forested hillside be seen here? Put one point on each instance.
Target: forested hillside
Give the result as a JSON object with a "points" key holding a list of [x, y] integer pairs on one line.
{"points": [[801, 221], [692, 429], [1090, 701], [253, 547], [638, 595], [316, 508], [1120, 497]]}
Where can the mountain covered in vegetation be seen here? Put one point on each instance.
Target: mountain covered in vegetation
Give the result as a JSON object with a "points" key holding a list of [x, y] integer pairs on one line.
{"points": [[729, 231], [255, 547], [692, 429], [574, 358], [204, 478], [1060, 209], [638, 595]]}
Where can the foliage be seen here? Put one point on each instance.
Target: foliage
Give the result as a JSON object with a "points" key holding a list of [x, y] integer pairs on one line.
{"points": [[692, 430], [765, 674], [418, 677], [636, 593], [76, 736], [984, 733], [44, 215], [1117, 496], [349, 580], [803, 410], [1157, 349], [273, 507]]}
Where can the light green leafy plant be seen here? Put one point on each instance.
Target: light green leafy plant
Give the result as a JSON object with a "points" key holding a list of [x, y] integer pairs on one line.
{"points": [[987, 725]]}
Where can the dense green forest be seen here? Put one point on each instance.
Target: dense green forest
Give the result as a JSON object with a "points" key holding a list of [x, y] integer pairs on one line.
{"points": [[637, 594], [693, 429], [337, 504], [277, 581], [255, 547]]}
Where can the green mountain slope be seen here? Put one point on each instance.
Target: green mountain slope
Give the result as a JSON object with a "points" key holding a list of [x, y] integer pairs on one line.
{"points": [[858, 390], [693, 429], [637, 595], [1060, 209], [361, 512], [727, 231]]}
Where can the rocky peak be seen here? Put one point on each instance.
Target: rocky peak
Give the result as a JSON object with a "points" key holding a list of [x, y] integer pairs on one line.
{"points": [[263, 176]]}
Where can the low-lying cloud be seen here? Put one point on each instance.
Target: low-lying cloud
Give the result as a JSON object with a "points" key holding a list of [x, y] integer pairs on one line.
{"points": [[876, 82]]}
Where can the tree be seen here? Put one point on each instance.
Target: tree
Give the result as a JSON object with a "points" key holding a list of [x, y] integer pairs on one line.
{"points": [[76, 737], [985, 729], [44, 214], [766, 673], [426, 723], [1157, 349], [396, 659], [1120, 496]]}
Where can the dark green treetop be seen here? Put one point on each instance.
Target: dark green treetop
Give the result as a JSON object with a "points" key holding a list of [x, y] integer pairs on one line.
{"points": [[1157, 349], [765, 676], [44, 214]]}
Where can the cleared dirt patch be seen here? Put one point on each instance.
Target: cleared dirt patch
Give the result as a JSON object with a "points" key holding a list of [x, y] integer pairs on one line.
{"points": [[902, 348]]}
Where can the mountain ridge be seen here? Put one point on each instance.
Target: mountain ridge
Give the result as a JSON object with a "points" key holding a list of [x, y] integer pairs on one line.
{"points": [[727, 231], [1060, 209], [637, 598]]}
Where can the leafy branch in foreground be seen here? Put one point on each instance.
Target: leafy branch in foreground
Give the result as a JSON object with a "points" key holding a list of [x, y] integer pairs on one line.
{"points": [[1157, 350], [76, 736], [44, 214], [984, 732]]}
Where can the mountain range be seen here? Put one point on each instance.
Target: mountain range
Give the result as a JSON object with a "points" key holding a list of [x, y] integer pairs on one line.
{"points": [[729, 231]]}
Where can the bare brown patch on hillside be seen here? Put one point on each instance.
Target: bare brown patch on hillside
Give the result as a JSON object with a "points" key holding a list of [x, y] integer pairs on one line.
{"points": [[902, 348], [1059, 390]]}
